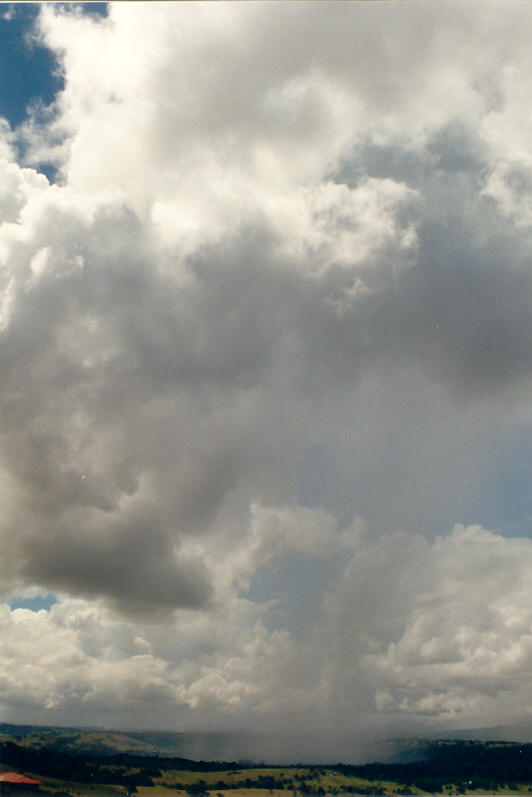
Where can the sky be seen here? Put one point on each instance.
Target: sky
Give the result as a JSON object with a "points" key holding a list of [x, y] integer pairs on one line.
{"points": [[266, 365]]}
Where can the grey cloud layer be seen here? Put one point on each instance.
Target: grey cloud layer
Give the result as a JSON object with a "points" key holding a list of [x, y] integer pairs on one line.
{"points": [[298, 277], [440, 631]]}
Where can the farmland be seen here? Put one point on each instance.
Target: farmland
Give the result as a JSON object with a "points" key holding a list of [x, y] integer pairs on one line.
{"points": [[107, 768]]}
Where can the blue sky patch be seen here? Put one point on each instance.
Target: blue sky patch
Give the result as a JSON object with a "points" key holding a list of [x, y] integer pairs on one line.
{"points": [[34, 604], [29, 72]]}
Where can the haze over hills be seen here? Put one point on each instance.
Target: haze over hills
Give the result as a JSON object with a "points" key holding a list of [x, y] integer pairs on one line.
{"points": [[234, 745], [503, 733], [244, 745]]}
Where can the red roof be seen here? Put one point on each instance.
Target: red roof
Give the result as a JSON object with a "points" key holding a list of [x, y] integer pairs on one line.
{"points": [[15, 777]]}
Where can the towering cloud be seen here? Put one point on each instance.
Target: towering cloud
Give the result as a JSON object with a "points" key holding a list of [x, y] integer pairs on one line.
{"points": [[266, 365]]}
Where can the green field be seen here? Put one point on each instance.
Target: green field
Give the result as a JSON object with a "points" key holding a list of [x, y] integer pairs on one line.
{"points": [[298, 780]]}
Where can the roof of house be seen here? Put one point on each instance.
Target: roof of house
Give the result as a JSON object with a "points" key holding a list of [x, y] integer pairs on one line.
{"points": [[15, 777]]}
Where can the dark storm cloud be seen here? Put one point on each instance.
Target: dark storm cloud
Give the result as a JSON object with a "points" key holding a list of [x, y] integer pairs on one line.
{"points": [[130, 560], [125, 371]]}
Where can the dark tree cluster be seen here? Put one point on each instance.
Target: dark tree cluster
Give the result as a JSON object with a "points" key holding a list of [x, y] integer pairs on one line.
{"points": [[467, 765]]}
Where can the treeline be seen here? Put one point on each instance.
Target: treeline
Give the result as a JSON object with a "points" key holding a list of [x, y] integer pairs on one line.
{"points": [[281, 783], [466, 765], [120, 769], [78, 768]]}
